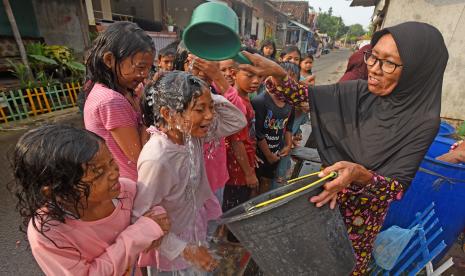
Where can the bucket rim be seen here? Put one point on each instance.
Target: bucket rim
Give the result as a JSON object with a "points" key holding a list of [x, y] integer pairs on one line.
{"points": [[253, 213], [198, 24]]}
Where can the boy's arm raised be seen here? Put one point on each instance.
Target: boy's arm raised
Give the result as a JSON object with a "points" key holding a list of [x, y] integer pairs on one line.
{"points": [[228, 119]]}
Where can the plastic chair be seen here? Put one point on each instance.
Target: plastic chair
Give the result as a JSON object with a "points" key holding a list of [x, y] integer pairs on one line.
{"points": [[418, 255]]}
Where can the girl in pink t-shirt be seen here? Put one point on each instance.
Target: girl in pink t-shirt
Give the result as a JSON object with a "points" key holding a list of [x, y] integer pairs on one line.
{"points": [[76, 209], [119, 61]]}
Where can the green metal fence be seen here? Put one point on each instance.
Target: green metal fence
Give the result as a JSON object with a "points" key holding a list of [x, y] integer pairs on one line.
{"points": [[23, 103]]}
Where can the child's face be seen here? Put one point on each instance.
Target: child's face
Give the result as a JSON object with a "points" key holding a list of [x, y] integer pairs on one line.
{"points": [[102, 173], [228, 67], [247, 81], [304, 107], [133, 70], [306, 64], [199, 115], [165, 63], [268, 50], [293, 57]]}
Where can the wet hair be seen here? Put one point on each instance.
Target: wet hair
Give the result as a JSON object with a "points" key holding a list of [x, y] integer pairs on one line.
{"points": [[175, 90], [288, 50], [167, 51], [123, 40], [268, 42], [305, 56], [180, 57], [51, 156], [291, 68]]}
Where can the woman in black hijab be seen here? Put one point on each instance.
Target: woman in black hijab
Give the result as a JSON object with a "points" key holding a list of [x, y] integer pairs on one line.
{"points": [[373, 133]]}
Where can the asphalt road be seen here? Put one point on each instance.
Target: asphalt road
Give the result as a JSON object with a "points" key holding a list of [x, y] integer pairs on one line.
{"points": [[15, 255]]}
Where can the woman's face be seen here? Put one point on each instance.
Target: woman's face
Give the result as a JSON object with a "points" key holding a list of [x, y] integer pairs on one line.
{"points": [[268, 50], [381, 83]]}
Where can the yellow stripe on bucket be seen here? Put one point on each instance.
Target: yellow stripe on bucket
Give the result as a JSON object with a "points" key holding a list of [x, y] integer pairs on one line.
{"points": [[331, 175]]}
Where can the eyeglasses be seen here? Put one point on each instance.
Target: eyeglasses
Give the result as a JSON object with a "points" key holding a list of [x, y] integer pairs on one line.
{"points": [[387, 66]]}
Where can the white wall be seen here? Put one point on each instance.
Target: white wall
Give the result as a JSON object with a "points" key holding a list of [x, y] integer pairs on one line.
{"points": [[448, 16]]}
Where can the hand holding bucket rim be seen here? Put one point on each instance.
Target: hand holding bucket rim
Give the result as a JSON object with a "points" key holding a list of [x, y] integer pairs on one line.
{"points": [[348, 173]]}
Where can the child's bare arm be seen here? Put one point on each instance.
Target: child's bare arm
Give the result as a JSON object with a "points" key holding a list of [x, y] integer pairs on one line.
{"points": [[263, 146], [244, 162], [228, 119]]}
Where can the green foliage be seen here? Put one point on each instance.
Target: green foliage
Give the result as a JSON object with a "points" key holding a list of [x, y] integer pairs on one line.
{"points": [[331, 25], [356, 30], [334, 26], [74, 65], [53, 58], [59, 53], [43, 59], [19, 70], [461, 130], [169, 20]]}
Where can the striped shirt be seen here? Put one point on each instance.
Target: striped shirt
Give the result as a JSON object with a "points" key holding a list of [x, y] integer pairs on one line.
{"points": [[105, 110]]}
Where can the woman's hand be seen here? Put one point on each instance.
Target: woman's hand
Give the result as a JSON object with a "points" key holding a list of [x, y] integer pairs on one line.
{"points": [[200, 257], [348, 173], [453, 157], [262, 66]]}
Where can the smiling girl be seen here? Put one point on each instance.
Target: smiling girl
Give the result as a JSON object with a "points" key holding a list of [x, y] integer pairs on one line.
{"points": [[119, 61], [183, 114]]}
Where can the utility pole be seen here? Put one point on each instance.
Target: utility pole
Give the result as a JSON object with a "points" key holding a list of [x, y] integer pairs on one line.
{"points": [[16, 34]]}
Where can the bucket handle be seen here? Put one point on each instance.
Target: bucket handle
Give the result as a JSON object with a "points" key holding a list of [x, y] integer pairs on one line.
{"points": [[441, 178], [331, 175]]}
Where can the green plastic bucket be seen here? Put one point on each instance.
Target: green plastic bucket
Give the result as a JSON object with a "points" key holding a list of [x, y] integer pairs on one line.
{"points": [[212, 33]]}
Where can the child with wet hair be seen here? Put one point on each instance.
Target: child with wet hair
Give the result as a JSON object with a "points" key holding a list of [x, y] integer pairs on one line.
{"points": [[214, 151], [182, 114], [119, 61], [75, 207]]}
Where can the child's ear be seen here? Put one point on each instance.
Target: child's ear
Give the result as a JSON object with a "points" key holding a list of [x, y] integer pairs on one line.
{"points": [[108, 59], [46, 191], [165, 112]]}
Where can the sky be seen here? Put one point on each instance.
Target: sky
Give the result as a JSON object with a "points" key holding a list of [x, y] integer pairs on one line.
{"points": [[350, 15]]}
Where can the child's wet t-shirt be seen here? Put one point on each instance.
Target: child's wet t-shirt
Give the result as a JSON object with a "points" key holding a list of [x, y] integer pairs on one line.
{"points": [[271, 122]]}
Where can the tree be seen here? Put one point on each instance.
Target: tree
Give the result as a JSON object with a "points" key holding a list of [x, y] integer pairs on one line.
{"points": [[17, 36], [332, 25], [356, 30]]}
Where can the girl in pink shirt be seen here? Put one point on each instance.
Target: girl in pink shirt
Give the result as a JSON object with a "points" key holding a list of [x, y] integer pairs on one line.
{"points": [[171, 167], [76, 209], [119, 61]]}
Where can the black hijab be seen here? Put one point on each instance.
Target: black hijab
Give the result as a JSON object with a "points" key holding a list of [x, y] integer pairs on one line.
{"points": [[389, 135]]}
